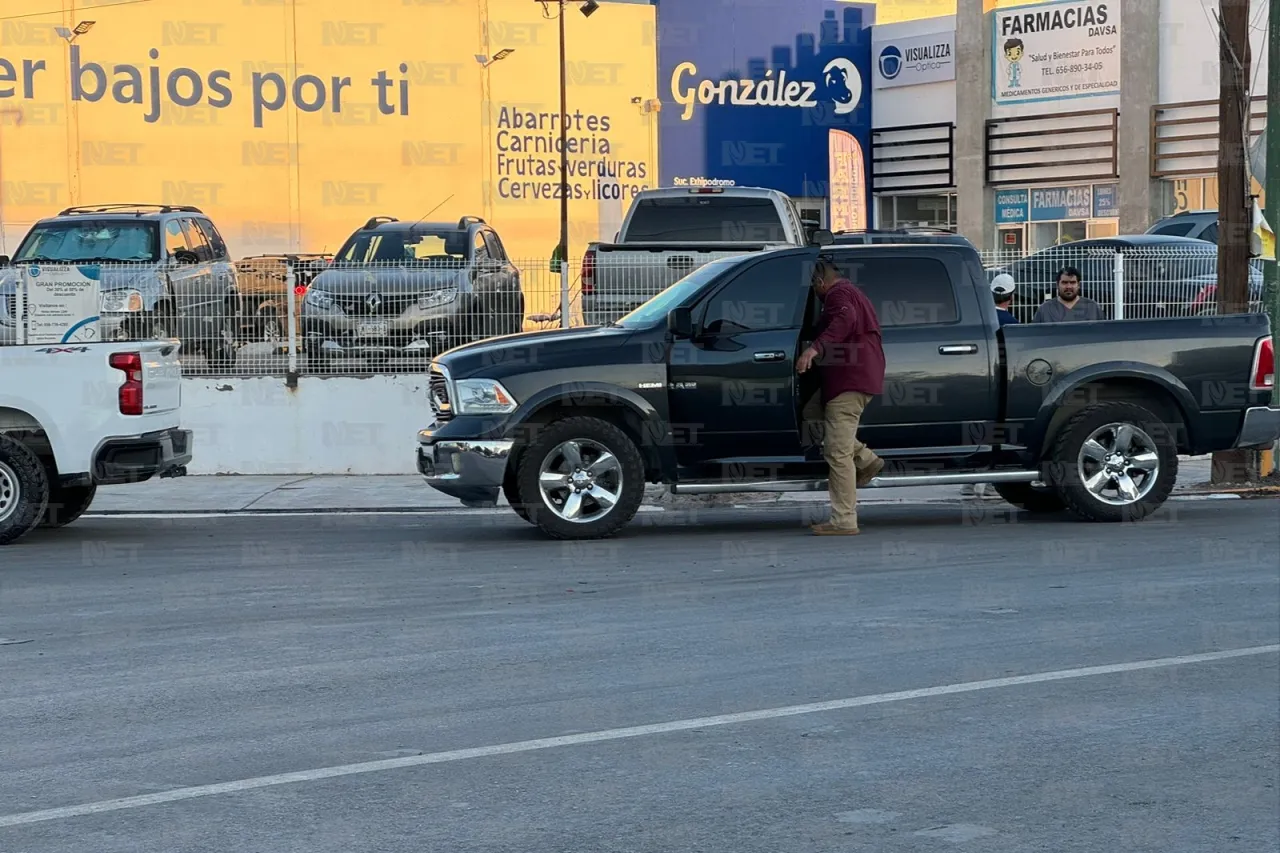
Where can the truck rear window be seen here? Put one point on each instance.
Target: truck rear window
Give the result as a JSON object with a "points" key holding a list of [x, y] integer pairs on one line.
{"points": [[703, 219]]}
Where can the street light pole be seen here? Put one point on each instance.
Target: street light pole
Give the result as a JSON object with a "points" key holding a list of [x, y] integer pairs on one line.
{"points": [[564, 179]]}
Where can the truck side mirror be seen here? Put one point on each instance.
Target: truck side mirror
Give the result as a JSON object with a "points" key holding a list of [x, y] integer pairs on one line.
{"points": [[4, 260], [680, 322], [822, 237]]}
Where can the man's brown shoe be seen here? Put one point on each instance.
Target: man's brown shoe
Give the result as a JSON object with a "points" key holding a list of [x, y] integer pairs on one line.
{"points": [[866, 475], [826, 528]]}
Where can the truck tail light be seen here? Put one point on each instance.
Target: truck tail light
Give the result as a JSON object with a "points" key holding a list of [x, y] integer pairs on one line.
{"points": [[1263, 375], [589, 271], [1204, 297], [129, 363]]}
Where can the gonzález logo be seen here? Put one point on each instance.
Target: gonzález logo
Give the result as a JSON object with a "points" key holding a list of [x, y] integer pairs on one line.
{"points": [[841, 85]]}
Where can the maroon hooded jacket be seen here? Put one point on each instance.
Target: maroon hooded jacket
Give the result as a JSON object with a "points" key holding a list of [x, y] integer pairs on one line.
{"points": [[850, 353]]}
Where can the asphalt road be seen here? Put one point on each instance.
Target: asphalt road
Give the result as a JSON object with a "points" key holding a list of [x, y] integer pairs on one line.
{"points": [[148, 658]]}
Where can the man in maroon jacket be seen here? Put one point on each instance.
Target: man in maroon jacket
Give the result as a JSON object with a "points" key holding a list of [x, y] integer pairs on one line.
{"points": [[850, 361]]}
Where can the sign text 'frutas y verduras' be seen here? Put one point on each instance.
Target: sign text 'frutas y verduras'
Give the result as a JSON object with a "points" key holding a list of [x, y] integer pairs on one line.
{"points": [[1055, 50], [152, 87]]}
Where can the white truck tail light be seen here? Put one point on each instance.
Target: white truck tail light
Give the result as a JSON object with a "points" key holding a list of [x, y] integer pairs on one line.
{"points": [[129, 363], [1263, 375], [589, 271]]}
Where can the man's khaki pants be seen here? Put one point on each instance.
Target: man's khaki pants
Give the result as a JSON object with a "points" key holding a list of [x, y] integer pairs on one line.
{"points": [[835, 426]]}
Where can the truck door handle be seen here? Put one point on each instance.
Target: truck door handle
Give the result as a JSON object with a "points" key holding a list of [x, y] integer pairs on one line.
{"points": [[770, 356], [958, 349]]}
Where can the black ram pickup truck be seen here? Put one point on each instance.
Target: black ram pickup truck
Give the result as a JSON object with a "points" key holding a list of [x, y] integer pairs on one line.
{"points": [[697, 389]]}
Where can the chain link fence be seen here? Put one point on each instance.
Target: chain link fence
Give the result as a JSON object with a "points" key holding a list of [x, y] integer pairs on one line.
{"points": [[307, 315]]}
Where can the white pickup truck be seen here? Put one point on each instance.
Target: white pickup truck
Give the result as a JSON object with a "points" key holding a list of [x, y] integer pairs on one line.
{"points": [[77, 416], [670, 232]]}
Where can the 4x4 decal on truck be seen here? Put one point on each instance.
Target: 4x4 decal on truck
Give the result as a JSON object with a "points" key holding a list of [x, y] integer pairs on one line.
{"points": [[56, 350]]}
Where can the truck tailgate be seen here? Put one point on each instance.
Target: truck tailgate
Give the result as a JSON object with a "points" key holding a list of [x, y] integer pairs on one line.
{"points": [[636, 272], [161, 375]]}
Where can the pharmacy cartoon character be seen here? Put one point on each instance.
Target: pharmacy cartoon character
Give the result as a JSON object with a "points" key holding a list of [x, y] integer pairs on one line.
{"points": [[1013, 53]]}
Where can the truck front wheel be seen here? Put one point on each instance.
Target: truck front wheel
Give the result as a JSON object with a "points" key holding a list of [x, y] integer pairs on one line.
{"points": [[24, 490], [1114, 462], [580, 478]]}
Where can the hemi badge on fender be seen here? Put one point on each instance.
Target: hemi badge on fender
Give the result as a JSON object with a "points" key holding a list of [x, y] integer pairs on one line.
{"points": [[647, 386]]}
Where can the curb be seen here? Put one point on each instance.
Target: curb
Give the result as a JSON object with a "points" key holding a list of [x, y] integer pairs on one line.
{"points": [[1259, 494]]}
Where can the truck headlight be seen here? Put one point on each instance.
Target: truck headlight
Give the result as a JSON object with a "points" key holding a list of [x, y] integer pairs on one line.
{"points": [[121, 301], [436, 298], [482, 397], [318, 299]]}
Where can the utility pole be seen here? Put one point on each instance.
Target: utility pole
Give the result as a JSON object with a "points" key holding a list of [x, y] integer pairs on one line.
{"points": [[1234, 209], [1272, 189]]}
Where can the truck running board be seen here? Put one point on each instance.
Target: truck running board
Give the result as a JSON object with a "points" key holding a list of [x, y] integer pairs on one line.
{"points": [[720, 487]]}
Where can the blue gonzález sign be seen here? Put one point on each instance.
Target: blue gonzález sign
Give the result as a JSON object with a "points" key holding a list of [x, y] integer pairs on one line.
{"points": [[1011, 206], [1050, 204], [752, 91]]}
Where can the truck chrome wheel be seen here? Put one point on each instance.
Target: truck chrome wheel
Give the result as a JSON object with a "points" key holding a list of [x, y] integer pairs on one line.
{"points": [[1119, 464], [580, 481], [10, 493]]}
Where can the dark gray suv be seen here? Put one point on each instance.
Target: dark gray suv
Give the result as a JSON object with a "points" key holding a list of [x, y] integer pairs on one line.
{"points": [[164, 271], [412, 290]]}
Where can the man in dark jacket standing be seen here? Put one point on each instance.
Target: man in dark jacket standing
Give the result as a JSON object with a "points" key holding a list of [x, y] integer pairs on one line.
{"points": [[850, 361]]}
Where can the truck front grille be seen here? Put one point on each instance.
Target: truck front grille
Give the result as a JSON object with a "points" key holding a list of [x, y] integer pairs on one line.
{"points": [[438, 388]]}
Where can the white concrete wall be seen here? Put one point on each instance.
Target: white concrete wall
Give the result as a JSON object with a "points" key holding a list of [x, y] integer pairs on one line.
{"points": [[1189, 50], [928, 102], [327, 425]]}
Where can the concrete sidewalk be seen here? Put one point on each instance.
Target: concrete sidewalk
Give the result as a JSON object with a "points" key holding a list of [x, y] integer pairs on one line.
{"points": [[216, 493]]}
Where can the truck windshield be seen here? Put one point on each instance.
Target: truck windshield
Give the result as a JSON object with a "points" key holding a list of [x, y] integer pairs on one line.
{"points": [[80, 240], [656, 309], [705, 219]]}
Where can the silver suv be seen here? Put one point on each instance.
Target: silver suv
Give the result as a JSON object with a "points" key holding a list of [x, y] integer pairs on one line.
{"points": [[412, 290], [165, 273]]}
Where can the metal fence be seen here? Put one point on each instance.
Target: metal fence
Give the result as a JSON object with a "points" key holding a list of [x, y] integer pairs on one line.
{"points": [[305, 314], [1135, 283]]}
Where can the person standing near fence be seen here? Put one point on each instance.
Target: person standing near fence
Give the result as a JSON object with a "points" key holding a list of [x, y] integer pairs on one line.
{"points": [[1068, 305], [1002, 289]]}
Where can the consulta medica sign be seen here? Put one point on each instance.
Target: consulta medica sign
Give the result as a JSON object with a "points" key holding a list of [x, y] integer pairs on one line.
{"points": [[292, 122]]}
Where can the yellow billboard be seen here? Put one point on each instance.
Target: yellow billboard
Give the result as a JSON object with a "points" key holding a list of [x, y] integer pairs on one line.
{"points": [[292, 122]]}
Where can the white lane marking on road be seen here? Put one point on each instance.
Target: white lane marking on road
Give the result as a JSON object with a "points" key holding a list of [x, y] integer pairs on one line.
{"points": [[579, 739]]}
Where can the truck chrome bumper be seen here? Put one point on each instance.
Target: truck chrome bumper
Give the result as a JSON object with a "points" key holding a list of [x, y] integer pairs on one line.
{"points": [[1261, 427], [467, 470]]}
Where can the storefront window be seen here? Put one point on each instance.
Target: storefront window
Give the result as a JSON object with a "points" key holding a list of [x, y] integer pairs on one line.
{"points": [[1202, 194], [918, 211]]}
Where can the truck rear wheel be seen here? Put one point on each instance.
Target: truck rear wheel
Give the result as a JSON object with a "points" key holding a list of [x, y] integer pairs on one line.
{"points": [[1114, 462], [66, 504], [1028, 499], [24, 490], [580, 478]]}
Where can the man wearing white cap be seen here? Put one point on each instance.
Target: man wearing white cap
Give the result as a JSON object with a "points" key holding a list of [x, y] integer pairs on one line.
{"points": [[1002, 289]]}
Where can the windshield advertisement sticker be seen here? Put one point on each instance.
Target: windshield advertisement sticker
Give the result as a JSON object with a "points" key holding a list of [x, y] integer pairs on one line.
{"points": [[62, 304]]}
